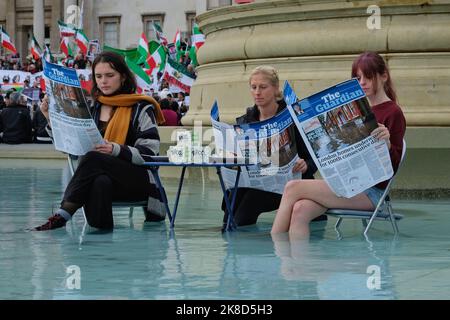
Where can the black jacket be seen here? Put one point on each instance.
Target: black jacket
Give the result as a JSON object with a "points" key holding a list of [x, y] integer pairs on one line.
{"points": [[15, 123], [252, 115], [39, 124]]}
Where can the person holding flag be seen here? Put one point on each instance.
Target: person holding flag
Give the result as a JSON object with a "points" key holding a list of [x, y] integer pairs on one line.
{"points": [[112, 172], [159, 34], [198, 40]]}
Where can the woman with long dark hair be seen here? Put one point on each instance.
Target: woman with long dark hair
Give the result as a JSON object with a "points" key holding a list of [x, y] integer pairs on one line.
{"points": [[111, 172]]}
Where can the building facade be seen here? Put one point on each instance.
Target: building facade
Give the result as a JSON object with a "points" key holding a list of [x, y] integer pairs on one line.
{"points": [[117, 23]]}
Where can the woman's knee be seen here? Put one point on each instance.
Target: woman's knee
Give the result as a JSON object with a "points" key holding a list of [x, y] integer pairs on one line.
{"points": [[102, 181], [300, 212], [291, 189]]}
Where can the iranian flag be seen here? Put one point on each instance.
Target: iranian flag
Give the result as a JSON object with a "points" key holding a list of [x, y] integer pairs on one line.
{"points": [[6, 41], [132, 54], [143, 47], [82, 41], [177, 75], [193, 56], [66, 30], [157, 58], [177, 42], [142, 79], [65, 47], [36, 50], [198, 38], [48, 54], [159, 34]]}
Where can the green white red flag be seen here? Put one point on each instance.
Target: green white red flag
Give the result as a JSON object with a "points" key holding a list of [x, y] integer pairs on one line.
{"points": [[6, 41], [193, 56], [159, 34], [142, 79], [82, 41], [158, 56], [36, 50], [66, 30], [198, 38], [177, 75], [48, 55], [65, 47], [143, 46]]}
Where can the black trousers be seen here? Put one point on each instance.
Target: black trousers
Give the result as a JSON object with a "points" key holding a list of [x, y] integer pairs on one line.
{"points": [[250, 203], [101, 179]]}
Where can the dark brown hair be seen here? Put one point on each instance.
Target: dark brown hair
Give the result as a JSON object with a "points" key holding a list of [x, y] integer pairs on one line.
{"points": [[117, 62]]}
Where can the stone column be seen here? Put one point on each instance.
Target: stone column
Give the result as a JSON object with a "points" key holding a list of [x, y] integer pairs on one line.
{"points": [[200, 6], [54, 29], [39, 21], [11, 19]]}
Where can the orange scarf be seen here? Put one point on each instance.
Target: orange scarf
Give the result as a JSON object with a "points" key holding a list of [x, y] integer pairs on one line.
{"points": [[117, 128]]}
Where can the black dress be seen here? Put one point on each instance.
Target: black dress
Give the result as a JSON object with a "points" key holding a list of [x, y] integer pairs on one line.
{"points": [[250, 203]]}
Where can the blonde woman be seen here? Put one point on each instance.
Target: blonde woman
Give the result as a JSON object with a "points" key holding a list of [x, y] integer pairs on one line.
{"points": [[268, 101]]}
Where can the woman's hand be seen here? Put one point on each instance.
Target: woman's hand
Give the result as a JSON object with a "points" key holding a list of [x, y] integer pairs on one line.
{"points": [[300, 166], [44, 108], [382, 133], [107, 147]]}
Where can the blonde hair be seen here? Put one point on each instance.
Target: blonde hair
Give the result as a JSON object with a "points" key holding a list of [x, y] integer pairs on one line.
{"points": [[271, 74]]}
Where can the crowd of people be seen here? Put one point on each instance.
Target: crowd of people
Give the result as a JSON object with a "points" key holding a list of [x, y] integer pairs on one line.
{"points": [[15, 126], [20, 123], [14, 62]]}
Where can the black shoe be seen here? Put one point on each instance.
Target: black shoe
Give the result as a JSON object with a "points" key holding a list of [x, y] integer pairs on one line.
{"points": [[322, 217], [54, 222]]}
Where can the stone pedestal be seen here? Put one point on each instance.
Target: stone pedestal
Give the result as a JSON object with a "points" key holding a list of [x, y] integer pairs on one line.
{"points": [[312, 44]]}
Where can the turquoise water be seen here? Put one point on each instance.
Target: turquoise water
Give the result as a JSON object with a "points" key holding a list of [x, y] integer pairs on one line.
{"points": [[145, 261]]}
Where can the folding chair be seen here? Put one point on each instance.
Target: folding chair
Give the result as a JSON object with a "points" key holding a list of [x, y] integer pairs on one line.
{"points": [[131, 204], [383, 211]]}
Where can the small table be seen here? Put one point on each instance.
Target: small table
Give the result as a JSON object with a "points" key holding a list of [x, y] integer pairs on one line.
{"points": [[153, 166]]}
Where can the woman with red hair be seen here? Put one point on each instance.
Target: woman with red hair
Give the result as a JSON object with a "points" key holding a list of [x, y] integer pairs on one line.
{"points": [[304, 200]]}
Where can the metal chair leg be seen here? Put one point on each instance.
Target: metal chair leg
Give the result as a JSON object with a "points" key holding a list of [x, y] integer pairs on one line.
{"points": [[336, 228], [338, 223], [130, 214], [392, 218]]}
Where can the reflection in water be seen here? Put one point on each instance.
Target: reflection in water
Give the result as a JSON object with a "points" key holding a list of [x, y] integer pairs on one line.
{"points": [[333, 277], [146, 261]]}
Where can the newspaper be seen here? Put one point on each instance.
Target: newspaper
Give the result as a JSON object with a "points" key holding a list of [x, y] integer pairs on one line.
{"points": [[268, 147], [336, 124], [74, 131]]}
